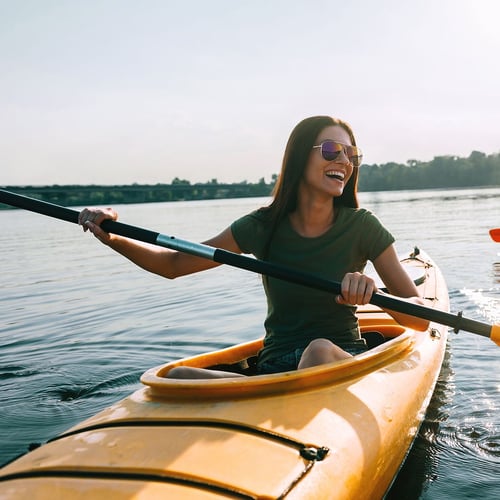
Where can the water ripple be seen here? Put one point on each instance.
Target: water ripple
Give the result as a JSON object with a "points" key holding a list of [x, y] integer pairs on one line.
{"points": [[465, 439]]}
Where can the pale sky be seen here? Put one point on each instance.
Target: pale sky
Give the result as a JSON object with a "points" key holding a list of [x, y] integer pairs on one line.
{"points": [[124, 91]]}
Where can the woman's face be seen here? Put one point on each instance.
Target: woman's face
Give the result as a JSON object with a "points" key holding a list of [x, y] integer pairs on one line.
{"points": [[325, 177]]}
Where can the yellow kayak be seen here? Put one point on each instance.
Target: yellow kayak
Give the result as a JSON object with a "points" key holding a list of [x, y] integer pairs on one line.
{"points": [[335, 431]]}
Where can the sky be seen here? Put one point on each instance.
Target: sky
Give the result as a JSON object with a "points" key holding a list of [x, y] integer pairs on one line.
{"points": [[127, 91]]}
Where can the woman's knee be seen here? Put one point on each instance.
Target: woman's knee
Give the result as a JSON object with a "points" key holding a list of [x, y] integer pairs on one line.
{"points": [[320, 351], [323, 348]]}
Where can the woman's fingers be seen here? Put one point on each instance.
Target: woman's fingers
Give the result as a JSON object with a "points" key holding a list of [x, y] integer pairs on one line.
{"points": [[356, 289], [96, 215], [101, 235], [91, 218]]}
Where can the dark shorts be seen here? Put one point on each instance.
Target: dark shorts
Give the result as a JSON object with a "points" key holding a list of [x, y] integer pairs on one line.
{"points": [[290, 361]]}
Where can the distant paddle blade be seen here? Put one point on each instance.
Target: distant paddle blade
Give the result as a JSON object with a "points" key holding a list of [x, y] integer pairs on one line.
{"points": [[495, 334], [495, 234]]}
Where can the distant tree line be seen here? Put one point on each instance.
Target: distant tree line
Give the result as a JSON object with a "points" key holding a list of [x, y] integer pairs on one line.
{"points": [[478, 169]]}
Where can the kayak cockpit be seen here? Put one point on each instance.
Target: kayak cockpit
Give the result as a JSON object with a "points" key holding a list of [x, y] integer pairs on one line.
{"points": [[374, 336], [395, 343]]}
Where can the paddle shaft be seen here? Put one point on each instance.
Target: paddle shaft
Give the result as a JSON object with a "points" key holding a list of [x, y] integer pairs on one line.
{"points": [[456, 321]]}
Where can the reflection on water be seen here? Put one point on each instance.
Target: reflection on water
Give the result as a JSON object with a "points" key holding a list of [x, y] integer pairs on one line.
{"points": [[496, 272], [487, 303], [80, 324]]}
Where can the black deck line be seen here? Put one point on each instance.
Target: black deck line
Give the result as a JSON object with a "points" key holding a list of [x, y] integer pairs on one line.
{"points": [[309, 453], [193, 423], [128, 476]]}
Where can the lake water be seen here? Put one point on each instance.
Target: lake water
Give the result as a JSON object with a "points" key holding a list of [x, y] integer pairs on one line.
{"points": [[79, 324]]}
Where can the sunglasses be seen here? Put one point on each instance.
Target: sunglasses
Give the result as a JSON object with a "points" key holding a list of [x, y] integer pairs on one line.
{"points": [[330, 150]]}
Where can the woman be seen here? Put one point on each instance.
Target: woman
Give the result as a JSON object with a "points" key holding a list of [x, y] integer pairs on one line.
{"points": [[313, 224]]}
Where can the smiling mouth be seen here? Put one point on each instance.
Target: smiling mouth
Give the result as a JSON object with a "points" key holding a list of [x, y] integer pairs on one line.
{"points": [[335, 174]]}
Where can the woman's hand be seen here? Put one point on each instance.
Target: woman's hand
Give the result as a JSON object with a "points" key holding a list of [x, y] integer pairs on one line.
{"points": [[91, 218], [356, 289]]}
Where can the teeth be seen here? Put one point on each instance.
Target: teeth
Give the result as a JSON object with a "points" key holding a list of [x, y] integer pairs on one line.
{"points": [[337, 174]]}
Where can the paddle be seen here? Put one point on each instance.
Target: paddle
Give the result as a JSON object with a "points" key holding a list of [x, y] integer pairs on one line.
{"points": [[456, 321], [495, 234]]}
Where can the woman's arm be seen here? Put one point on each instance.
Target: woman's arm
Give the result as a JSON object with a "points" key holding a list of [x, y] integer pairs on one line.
{"points": [[162, 261], [398, 283]]}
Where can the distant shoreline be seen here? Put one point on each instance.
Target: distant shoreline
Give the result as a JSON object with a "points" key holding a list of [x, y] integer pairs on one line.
{"points": [[75, 195], [80, 195]]}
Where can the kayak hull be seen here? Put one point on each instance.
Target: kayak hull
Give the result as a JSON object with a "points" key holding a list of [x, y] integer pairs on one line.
{"points": [[334, 431]]}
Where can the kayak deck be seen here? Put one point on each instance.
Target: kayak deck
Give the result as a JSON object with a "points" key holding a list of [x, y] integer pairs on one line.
{"points": [[339, 430]]}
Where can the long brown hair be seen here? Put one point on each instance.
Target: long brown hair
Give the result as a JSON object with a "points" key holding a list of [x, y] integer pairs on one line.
{"points": [[295, 159]]}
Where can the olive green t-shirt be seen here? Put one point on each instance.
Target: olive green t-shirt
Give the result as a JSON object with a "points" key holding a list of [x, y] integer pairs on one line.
{"points": [[298, 314]]}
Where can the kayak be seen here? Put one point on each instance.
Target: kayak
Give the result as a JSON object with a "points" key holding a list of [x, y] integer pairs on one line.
{"points": [[336, 431]]}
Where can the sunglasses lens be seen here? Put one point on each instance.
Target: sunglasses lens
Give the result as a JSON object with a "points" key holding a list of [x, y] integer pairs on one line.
{"points": [[330, 150], [355, 156]]}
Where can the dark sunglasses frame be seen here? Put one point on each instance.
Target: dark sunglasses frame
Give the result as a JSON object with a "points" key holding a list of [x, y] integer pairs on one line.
{"points": [[352, 153]]}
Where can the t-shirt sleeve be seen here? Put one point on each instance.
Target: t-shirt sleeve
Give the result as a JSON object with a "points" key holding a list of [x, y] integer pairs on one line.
{"points": [[375, 237], [249, 233]]}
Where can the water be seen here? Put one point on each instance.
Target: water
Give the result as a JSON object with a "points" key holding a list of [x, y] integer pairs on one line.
{"points": [[79, 324]]}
